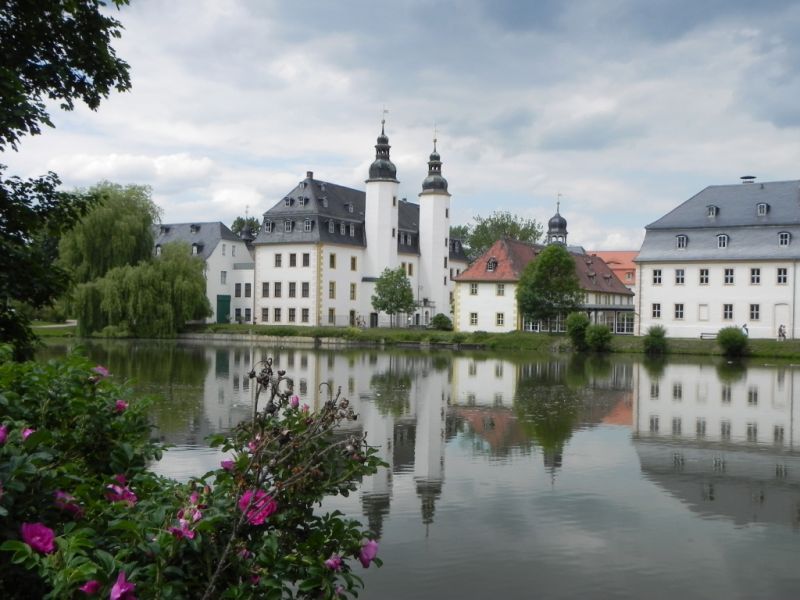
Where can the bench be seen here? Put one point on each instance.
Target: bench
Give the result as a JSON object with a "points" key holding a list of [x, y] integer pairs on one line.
{"points": [[708, 336]]}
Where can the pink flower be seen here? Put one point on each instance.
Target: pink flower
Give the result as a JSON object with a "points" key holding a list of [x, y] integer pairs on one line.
{"points": [[120, 479], [261, 505], [183, 531], [3, 434], [254, 579], [122, 589], [39, 537], [334, 563], [119, 493], [369, 550], [245, 554], [228, 465], [91, 587], [101, 371], [67, 502], [27, 432], [120, 406], [306, 408], [339, 590], [295, 401]]}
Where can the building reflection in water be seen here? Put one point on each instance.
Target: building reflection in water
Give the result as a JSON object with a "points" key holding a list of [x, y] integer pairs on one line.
{"points": [[722, 439]]}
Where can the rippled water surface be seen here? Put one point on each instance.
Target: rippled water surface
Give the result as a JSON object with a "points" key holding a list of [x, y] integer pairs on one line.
{"points": [[530, 477]]}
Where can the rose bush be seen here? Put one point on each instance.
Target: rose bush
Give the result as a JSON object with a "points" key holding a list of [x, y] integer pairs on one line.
{"points": [[82, 516]]}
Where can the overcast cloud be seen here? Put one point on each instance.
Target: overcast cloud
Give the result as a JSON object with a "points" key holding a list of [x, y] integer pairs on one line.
{"points": [[626, 108]]}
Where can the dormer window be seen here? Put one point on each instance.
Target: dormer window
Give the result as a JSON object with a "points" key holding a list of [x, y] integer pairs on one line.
{"points": [[762, 208], [352, 230], [681, 241], [158, 249], [784, 238], [268, 226], [713, 211], [722, 240], [287, 201], [195, 249], [350, 207], [307, 225], [331, 227], [287, 226], [325, 201], [164, 229], [342, 228], [194, 228], [491, 264]]}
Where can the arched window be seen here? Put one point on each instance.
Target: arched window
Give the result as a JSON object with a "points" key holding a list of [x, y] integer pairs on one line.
{"points": [[158, 250], [331, 227], [681, 241], [762, 208], [784, 238], [722, 240], [491, 264]]}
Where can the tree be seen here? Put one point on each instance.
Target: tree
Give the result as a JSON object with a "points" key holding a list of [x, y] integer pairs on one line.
{"points": [[393, 293], [52, 50], [153, 299], [549, 286], [577, 324], [461, 232], [249, 223], [500, 224], [117, 231]]}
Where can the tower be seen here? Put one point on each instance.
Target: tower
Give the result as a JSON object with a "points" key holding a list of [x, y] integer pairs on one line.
{"points": [[557, 228], [434, 240]]}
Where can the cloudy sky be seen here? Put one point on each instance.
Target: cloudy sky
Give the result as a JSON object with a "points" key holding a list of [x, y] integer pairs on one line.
{"points": [[624, 107]]}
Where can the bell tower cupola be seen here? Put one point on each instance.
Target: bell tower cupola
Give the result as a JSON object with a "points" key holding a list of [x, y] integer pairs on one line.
{"points": [[557, 228]]}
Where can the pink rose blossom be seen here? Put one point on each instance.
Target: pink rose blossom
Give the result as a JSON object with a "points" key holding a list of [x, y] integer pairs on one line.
{"points": [[334, 563], [339, 590], [183, 531], [295, 401], [261, 504], [119, 493], [120, 406], [3, 434], [369, 550], [101, 371], [306, 408], [67, 502], [122, 589], [39, 537], [91, 587], [27, 432], [228, 465]]}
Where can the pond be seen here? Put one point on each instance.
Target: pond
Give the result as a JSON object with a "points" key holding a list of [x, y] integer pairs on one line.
{"points": [[526, 476]]}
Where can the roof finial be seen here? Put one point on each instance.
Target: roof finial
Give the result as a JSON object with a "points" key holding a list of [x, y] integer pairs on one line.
{"points": [[435, 135], [558, 202], [383, 119]]}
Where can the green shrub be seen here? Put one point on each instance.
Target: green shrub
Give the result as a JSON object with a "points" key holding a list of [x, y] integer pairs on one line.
{"points": [[598, 338], [442, 322], [577, 323], [655, 341], [732, 341]]}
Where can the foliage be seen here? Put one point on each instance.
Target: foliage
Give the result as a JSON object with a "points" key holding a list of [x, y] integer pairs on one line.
{"points": [[548, 286], [442, 322], [81, 513], [732, 341], [500, 224], [392, 392], [655, 341], [461, 233], [241, 223], [116, 232], [153, 299], [577, 324], [393, 293], [598, 338]]}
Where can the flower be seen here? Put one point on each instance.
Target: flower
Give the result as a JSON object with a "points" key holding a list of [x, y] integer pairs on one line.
{"points": [[228, 465], [67, 502], [122, 589], [120, 406], [369, 550], [306, 408], [183, 531], [27, 432], [261, 505], [101, 371], [39, 537], [120, 493], [334, 563], [3, 433], [339, 590], [91, 587], [295, 401]]}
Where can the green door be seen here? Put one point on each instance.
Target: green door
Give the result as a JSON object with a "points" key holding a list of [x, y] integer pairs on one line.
{"points": [[223, 308]]}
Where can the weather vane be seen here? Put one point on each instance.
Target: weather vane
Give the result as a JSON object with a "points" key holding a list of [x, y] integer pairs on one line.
{"points": [[383, 117], [558, 202], [435, 135]]}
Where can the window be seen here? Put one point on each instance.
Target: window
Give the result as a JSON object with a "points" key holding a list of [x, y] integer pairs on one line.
{"points": [[332, 261], [265, 289], [304, 289], [331, 316], [350, 207], [722, 240], [393, 232], [784, 238], [679, 311], [292, 259], [728, 276], [410, 269], [223, 277], [237, 290], [265, 315], [501, 289], [276, 315], [268, 226], [248, 290], [352, 291], [277, 289], [726, 393], [332, 290], [233, 250], [679, 276], [158, 250], [331, 227], [500, 319], [194, 249], [654, 390], [342, 228], [278, 260], [473, 289], [352, 230], [238, 315], [306, 259], [681, 241], [223, 249], [446, 213], [782, 275], [445, 262], [292, 315], [287, 225], [703, 276], [491, 265], [287, 201], [752, 432], [654, 423], [727, 312], [656, 276], [700, 427], [354, 263], [292, 289], [755, 312], [304, 315], [725, 430], [677, 391], [755, 276], [677, 425], [762, 208], [473, 318], [394, 200], [712, 211], [752, 396], [656, 310], [307, 225]]}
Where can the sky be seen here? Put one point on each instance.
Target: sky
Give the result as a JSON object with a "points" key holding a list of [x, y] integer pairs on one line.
{"points": [[621, 108]]}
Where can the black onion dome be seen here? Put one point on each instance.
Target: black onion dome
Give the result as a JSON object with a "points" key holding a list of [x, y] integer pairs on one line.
{"points": [[557, 224], [382, 167], [434, 180]]}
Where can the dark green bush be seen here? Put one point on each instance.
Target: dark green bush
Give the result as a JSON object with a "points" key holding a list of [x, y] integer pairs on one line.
{"points": [[442, 322], [732, 341], [598, 338], [655, 341], [577, 323]]}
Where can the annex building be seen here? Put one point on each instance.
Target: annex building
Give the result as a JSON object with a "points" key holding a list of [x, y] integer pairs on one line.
{"points": [[725, 257]]}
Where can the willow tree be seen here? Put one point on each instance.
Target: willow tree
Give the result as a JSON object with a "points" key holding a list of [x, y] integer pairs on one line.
{"points": [[151, 299]]}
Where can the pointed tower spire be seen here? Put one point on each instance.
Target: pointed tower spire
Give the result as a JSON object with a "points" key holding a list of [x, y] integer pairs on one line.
{"points": [[434, 180], [382, 167]]}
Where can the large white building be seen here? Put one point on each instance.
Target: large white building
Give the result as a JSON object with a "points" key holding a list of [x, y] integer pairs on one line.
{"points": [[323, 246], [725, 257]]}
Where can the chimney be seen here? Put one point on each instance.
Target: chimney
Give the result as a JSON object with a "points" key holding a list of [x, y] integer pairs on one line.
{"points": [[748, 178], [309, 174]]}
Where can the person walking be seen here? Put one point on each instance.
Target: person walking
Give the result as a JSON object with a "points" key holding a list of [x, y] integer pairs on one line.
{"points": [[781, 333]]}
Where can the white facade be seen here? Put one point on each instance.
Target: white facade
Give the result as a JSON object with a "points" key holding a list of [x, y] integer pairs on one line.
{"points": [[486, 306]]}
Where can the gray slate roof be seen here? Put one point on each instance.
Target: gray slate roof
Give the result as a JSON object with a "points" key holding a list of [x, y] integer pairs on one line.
{"points": [[751, 237], [205, 235]]}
